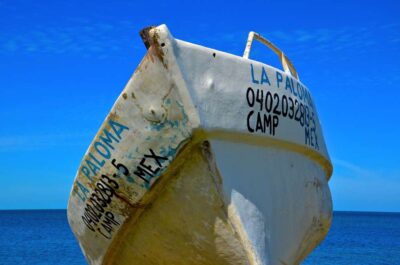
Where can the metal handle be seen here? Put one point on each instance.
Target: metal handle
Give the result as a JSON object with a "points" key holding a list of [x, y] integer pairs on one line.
{"points": [[286, 63]]}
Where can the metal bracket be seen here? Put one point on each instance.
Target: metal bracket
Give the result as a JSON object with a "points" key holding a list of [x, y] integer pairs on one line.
{"points": [[286, 63]]}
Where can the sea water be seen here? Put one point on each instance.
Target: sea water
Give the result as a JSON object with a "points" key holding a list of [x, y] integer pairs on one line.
{"points": [[44, 237], [365, 238]]}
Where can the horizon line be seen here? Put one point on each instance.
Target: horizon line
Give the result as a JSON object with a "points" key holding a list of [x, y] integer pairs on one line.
{"points": [[334, 211]]}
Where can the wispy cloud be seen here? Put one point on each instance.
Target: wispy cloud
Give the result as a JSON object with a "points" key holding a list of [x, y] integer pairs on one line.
{"points": [[84, 38], [349, 169], [24, 142], [328, 44], [356, 39], [353, 168], [356, 187]]}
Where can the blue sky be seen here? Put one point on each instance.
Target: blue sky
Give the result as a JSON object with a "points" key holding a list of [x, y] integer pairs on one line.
{"points": [[62, 65]]}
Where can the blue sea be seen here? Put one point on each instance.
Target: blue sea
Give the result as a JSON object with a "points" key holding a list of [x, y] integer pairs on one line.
{"points": [[44, 237]]}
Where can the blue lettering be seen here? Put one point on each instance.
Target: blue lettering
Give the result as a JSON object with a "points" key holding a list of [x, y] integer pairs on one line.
{"points": [[294, 89], [108, 138], [92, 166], [118, 128], [252, 75], [288, 84], [83, 189], [86, 171], [100, 164], [300, 90], [102, 150], [278, 78], [264, 77]]}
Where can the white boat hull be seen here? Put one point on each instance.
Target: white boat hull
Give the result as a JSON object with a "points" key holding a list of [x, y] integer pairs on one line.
{"points": [[205, 158]]}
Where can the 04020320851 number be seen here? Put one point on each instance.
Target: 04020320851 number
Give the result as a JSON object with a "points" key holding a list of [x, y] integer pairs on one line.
{"points": [[96, 217], [281, 105], [272, 106]]}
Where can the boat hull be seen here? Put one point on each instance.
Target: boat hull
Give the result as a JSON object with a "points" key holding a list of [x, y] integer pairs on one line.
{"points": [[205, 158], [199, 217]]}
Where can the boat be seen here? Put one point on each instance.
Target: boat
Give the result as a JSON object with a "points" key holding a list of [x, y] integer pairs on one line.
{"points": [[205, 158]]}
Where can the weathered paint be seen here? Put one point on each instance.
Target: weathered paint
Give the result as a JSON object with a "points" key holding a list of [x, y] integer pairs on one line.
{"points": [[153, 147]]}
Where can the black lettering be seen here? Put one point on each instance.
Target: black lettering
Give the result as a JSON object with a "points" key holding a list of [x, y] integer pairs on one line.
{"points": [[104, 196], [104, 188], [110, 181], [100, 231], [88, 223], [284, 106], [141, 173], [259, 125], [155, 157], [296, 116], [267, 122], [96, 205], [250, 97], [91, 213], [120, 167], [276, 110], [275, 123], [302, 114], [110, 219], [260, 98], [307, 136], [99, 200], [268, 102], [291, 108], [248, 122], [307, 116]]}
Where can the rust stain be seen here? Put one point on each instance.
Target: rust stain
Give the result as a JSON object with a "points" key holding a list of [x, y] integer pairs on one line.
{"points": [[150, 54], [158, 51], [151, 40], [135, 205], [144, 34]]}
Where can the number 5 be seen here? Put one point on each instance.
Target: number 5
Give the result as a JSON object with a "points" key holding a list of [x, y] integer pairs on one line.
{"points": [[120, 167]]}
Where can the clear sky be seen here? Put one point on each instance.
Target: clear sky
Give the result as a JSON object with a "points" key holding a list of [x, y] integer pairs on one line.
{"points": [[63, 63]]}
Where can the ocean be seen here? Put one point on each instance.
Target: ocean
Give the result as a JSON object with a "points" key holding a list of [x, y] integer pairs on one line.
{"points": [[44, 237]]}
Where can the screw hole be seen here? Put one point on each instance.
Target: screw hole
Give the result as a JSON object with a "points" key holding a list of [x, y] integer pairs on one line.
{"points": [[162, 44], [214, 54]]}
